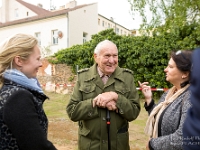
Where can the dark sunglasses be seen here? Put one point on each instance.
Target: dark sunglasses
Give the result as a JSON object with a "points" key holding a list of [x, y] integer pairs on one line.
{"points": [[180, 52]]}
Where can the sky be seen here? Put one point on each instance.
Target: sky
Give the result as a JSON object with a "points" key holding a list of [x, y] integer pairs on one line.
{"points": [[119, 10]]}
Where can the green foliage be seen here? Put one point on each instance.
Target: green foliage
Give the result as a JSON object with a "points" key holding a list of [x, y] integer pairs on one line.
{"points": [[169, 15], [146, 56], [71, 78]]}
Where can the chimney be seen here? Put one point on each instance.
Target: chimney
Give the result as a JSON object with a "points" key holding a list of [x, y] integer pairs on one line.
{"points": [[40, 5], [62, 7], [71, 4], [111, 18]]}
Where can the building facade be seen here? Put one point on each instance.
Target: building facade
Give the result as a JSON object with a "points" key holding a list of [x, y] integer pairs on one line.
{"points": [[57, 29], [105, 23]]}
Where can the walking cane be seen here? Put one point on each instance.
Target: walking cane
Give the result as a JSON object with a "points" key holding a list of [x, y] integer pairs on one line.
{"points": [[108, 127]]}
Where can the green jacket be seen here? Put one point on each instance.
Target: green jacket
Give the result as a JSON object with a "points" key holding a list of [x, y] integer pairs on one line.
{"points": [[92, 121]]}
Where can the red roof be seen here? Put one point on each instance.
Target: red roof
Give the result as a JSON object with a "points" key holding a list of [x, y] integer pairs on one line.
{"points": [[36, 9], [41, 13]]}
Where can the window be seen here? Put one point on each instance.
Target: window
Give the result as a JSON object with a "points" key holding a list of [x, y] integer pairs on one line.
{"points": [[26, 13], [108, 25], [16, 13], [84, 37], [38, 36], [103, 23], [117, 30], [98, 21], [54, 37]]}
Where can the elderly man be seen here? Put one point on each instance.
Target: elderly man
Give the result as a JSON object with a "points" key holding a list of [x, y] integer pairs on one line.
{"points": [[104, 91]]}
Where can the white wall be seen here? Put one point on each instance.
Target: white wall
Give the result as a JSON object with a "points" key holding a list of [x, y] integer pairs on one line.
{"points": [[82, 20], [72, 24], [10, 15], [45, 27], [22, 11], [77, 22]]}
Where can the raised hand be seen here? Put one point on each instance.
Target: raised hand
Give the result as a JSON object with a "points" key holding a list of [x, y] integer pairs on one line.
{"points": [[146, 90]]}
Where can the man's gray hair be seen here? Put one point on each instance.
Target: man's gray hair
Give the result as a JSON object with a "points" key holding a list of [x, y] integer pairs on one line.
{"points": [[99, 46]]}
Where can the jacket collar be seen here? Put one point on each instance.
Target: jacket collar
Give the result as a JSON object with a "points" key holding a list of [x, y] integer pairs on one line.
{"points": [[94, 75]]}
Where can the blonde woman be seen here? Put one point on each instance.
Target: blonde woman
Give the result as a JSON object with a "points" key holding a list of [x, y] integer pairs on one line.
{"points": [[164, 125], [23, 122]]}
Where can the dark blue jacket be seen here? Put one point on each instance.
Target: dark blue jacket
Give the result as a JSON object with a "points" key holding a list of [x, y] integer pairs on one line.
{"points": [[191, 128]]}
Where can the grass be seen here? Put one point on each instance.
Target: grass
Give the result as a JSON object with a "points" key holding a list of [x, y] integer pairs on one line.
{"points": [[64, 133], [55, 107]]}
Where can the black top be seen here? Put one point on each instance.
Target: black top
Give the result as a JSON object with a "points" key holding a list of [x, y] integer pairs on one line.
{"points": [[23, 122]]}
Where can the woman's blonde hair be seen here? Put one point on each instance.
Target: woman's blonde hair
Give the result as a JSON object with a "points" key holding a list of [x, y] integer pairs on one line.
{"points": [[18, 45]]}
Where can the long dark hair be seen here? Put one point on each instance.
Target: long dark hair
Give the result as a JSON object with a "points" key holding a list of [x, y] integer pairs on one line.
{"points": [[183, 60]]}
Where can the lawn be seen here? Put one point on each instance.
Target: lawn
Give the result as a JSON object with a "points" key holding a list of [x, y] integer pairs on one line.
{"points": [[63, 132]]}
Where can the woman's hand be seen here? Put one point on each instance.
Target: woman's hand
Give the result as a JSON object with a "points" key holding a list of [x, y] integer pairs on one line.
{"points": [[146, 90]]}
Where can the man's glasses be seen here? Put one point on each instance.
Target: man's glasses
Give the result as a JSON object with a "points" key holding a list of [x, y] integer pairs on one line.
{"points": [[180, 52]]}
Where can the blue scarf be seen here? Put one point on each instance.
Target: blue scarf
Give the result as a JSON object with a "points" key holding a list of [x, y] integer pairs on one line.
{"points": [[18, 77]]}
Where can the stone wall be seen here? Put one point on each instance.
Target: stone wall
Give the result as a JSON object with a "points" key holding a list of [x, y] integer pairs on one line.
{"points": [[56, 78]]}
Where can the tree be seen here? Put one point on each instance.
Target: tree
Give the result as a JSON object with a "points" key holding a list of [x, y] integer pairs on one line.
{"points": [[167, 15]]}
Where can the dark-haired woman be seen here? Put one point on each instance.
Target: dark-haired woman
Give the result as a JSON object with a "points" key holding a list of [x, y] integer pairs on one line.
{"points": [[165, 121]]}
